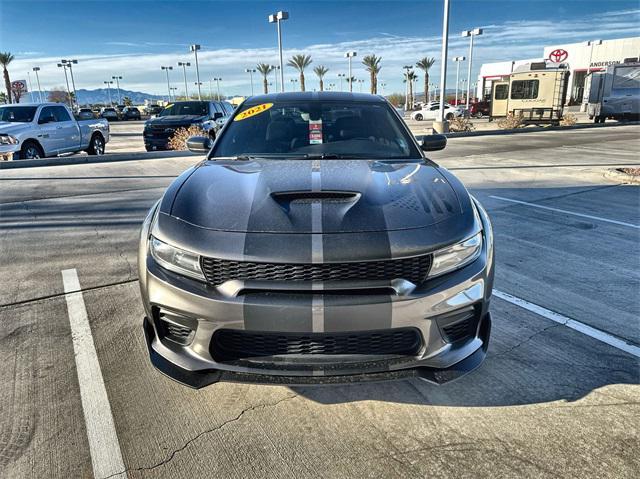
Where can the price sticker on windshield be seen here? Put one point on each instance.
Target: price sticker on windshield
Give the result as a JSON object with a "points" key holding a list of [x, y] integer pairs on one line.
{"points": [[315, 132], [253, 111]]}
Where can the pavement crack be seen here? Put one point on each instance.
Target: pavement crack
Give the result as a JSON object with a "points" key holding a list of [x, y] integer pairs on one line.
{"points": [[220, 426], [527, 339]]}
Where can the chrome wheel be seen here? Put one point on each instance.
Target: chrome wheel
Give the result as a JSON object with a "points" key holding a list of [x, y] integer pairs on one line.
{"points": [[98, 146]]}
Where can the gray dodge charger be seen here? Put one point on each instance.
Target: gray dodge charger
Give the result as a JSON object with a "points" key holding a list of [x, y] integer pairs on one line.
{"points": [[316, 243]]}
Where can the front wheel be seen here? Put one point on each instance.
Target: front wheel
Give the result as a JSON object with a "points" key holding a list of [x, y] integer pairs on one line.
{"points": [[418, 117], [449, 116], [96, 145], [479, 115], [31, 151]]}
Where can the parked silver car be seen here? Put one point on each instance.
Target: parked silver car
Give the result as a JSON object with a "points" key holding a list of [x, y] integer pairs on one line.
{"points": [[30, 131]]}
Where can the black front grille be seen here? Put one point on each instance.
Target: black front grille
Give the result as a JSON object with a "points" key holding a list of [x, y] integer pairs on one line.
{"points": [[415, 269], [459, 325], [230, 344]]}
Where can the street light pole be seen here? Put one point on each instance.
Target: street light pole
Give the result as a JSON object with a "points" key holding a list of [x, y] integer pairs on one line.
{"points": [[250, 72], [66, 79], [458, 60], [441, 125], [166, 69], [30, 87], [117, 79], [341, 76], [591, 43], [37, 69], [218, 80], [470, 34], [194, 49], [69, 64], [406, 87], [184, 66], [109, 83], [275, 74], [277, 18], [350, 55]]}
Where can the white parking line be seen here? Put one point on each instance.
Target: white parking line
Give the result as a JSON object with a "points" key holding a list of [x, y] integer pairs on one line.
{"points": [[571, 323], [104, 448], [597, 218]]}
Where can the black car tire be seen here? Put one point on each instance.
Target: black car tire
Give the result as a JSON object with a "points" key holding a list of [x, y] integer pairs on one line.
{"points": [[418, 117], [449, 116], [148, 148], [96, 145], [31, 151], [479, 115]]}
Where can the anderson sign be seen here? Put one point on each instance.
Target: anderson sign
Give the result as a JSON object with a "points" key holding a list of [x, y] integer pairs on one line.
{"points": [[604, 63]]}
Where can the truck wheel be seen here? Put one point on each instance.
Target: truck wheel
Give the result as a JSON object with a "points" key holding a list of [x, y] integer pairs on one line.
{"points": [[418, 117], [31, 151], [449, 116], [479, 115], [96, 145]]}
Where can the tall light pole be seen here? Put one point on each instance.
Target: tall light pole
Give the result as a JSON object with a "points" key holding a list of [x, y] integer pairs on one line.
{"points": [[30, 87], [37, 69], [117, 79], [166, 69], [293, 83], [194, 48], [174, 89], [275, 69], [458, 60], [218, 80], [109, 83], [69, 64], [382, 85], [341, 76], [441, 125], [277, 18], [470, 33], [66, 79], [198, 84], [591, 43], [250, 72], [350, 55], [360, 82], [184, 66], [407, 68]]}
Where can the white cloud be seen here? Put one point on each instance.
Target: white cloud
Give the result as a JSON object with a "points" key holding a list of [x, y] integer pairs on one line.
{"points": [[501, 42]]}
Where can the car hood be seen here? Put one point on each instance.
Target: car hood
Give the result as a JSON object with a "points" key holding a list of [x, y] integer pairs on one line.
{"points": [[13, 128], [313, 196], [174, 120]]}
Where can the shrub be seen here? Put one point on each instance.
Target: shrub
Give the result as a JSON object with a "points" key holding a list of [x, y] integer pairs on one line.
{"points": [[569, 120], [511, 121], [178, 140], [461, 124]]}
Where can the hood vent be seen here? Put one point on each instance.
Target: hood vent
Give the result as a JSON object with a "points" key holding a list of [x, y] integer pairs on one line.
{"points": [[301, 197]]}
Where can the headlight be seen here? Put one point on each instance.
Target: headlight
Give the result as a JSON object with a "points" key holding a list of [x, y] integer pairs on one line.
{"points": [[456, 256], [176, 259], [8, 140]]}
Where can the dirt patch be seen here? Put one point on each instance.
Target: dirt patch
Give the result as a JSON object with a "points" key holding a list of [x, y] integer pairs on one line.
{"points": [[630, 171]]}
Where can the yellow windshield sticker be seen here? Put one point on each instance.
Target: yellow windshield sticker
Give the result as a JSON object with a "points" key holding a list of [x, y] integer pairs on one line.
{"points": [[169, 105], [253, 111]]}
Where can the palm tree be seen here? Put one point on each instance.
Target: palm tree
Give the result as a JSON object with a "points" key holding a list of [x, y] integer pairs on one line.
{"points": [[411, 77], [372, 65], [5, 59], [425, 64], [300, 62], [321, 71], [264, 70]]}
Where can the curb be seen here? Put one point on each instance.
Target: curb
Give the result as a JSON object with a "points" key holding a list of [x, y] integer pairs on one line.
{"points": [[539, 129], [107, 158]]}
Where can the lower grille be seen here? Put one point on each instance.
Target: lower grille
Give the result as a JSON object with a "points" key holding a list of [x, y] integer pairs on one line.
{"points": [[414, 269], [230, 344]]}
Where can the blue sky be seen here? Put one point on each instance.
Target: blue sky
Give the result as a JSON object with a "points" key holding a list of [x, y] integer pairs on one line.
{"points": [[133, 38]]}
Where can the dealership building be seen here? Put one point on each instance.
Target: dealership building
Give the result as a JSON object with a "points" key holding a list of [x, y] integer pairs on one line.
{"points": [[581, 58]]}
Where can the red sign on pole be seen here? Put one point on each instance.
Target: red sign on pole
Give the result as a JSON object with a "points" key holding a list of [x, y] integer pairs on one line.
{"points": [[558, 55]]}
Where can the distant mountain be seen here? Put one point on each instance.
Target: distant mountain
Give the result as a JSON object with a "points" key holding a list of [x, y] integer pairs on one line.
{"points": [[101, 96]]}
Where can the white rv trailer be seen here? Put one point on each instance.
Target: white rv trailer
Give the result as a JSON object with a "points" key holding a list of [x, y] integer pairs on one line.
{"points": [[614, 93]]}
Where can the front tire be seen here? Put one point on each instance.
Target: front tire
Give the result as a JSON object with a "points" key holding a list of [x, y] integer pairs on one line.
{"points": [[449, 116], [96, 145], [418, 117], [479, 115], [31, 151]]}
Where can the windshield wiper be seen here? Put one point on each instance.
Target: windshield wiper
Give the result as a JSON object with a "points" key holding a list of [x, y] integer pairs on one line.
{"points": [[327, 156]]}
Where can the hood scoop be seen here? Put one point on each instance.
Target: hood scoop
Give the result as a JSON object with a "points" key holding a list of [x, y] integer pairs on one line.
{"points": [[288, 198]]}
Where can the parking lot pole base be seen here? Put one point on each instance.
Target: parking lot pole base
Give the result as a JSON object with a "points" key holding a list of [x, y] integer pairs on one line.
{"points": [[441, 126]]}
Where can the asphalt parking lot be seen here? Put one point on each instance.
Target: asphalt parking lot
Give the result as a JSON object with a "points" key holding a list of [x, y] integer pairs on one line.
{"points": [[557, 396]]}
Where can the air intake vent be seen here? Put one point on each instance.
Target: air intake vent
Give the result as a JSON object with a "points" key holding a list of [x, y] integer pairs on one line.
{"points": [[459, 325]]}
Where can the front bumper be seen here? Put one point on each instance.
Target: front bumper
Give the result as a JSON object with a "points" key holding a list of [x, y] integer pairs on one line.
{"points": [[202, 310], [156, 143]]}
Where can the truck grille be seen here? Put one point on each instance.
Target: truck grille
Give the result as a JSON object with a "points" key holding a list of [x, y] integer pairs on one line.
{"points": [[231, 344], [415, 269]]}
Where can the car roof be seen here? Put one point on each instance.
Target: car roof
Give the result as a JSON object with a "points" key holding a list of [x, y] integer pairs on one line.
{"points": [[315, 96]]}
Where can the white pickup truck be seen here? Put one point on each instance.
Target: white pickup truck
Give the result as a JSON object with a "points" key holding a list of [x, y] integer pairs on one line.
{"points": [[39, 130]]}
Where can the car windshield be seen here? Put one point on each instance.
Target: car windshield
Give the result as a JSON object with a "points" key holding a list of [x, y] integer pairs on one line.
{"points": [[196, 108], [20, 114], [316, 129]]}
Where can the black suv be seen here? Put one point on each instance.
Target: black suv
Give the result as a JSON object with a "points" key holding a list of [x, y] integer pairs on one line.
{"points": [[208, 115]]}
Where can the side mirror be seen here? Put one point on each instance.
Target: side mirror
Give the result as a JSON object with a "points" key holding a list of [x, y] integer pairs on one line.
{"points": [[217, 115], [432, 142], [199, 144]]}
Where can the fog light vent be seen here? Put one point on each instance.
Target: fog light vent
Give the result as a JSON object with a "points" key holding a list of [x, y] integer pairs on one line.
{"points": [[458, 325], [177, 328]]}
